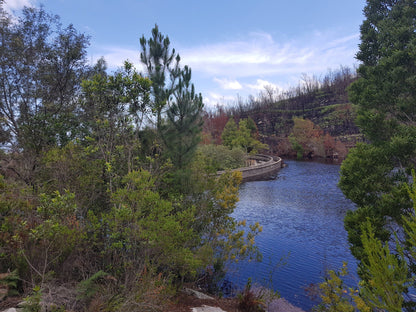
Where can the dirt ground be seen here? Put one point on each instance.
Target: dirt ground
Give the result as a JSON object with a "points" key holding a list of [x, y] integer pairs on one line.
{"points": [[10, 302], [185, 303]]}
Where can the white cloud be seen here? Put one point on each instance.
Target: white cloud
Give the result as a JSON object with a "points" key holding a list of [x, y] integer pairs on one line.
{"points": [[261, 84], [212, 99], [227, 84], [10, 5], [260, 55]]}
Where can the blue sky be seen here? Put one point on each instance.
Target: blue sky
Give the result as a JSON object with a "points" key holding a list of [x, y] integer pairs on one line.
{"points": [[234, 48]]}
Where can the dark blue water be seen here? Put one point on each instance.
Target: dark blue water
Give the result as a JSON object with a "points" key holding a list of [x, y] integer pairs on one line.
{"points": [[302, 214]]}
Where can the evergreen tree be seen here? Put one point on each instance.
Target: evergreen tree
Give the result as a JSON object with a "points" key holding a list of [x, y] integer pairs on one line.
{"points": [[385, 91], [375, 174], [162, 66], [229, 133], [184, 121], [174, 103]]}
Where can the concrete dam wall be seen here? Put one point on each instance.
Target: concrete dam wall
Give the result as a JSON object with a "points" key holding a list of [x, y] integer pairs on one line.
{"points": [[262, 167]]}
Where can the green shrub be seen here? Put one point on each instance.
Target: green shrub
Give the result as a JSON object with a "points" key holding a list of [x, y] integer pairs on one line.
{"points": [[219, 157]]}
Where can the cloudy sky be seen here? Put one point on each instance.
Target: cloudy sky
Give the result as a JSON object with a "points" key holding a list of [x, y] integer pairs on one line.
{"points": [[234, 48]]}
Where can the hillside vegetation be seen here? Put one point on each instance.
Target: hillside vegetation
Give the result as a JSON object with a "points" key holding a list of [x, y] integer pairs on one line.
{"points": [[324, 102]]}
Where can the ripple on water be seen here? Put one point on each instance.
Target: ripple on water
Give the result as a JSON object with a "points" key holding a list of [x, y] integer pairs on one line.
{"points": [[302, 215]]}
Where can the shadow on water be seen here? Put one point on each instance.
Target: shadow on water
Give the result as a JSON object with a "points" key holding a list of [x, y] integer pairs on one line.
{"points": [[302, 214]]}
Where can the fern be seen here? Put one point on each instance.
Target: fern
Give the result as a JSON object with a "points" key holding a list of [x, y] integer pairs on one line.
{"points": [[11, 281], [89, 287]]}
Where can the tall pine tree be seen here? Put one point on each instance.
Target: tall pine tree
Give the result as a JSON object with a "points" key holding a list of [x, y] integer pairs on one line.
{"points": [[162, 66], [184, 121], [176, 106]]}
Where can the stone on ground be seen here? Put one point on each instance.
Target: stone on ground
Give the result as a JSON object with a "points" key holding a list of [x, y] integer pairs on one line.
{"points": [[206, 308], [197, 294], [282, 305]]}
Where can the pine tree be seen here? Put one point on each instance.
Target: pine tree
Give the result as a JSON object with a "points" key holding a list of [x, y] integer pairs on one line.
{"points": [[162, 66], [184, 122]]}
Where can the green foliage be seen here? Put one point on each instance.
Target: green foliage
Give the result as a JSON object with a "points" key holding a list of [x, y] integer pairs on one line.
{"points": [[410, 221], [144, 227], [11, 281], [32, 302], [80, 170], [114, 109], [160, 62], [251, 125], [227, 237], [246, 137], [365, 173], [386, 274], [385, 271], [369, 179], [41, 69], [333, 295], [184, 122], [243, 136], [92, 187], [337, 297], [304, 137], [229, 133], [387, 79], [173, 96], [46, 243], [375, 174], [297, 147], [220, 157]]}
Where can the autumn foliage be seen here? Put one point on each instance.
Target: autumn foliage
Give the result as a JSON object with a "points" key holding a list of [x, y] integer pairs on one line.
{"points": [[214, 123], [309, 140]]}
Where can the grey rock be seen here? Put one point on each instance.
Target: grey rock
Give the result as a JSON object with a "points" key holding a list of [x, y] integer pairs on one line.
{"points": [[22, 304], [206, 308], [197, 294], [282, 305]]}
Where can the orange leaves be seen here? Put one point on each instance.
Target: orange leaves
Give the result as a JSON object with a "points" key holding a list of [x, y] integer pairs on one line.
{"points": [[309, 140]]}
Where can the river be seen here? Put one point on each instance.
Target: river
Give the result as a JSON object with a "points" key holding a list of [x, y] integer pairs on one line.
{"points": [[302, 214]]}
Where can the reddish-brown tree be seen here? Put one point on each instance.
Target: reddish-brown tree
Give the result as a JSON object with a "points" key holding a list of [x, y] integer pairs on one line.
{"points": [[214, 123]]}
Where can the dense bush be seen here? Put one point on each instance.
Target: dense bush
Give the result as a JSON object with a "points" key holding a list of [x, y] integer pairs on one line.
{"points": [[220, 157]]}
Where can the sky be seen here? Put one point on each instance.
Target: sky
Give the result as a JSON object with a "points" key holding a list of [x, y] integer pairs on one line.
{"points": [[235, 48]]}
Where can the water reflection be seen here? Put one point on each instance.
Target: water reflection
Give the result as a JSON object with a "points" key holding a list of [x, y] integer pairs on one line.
{"points": [[302, 215]]}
